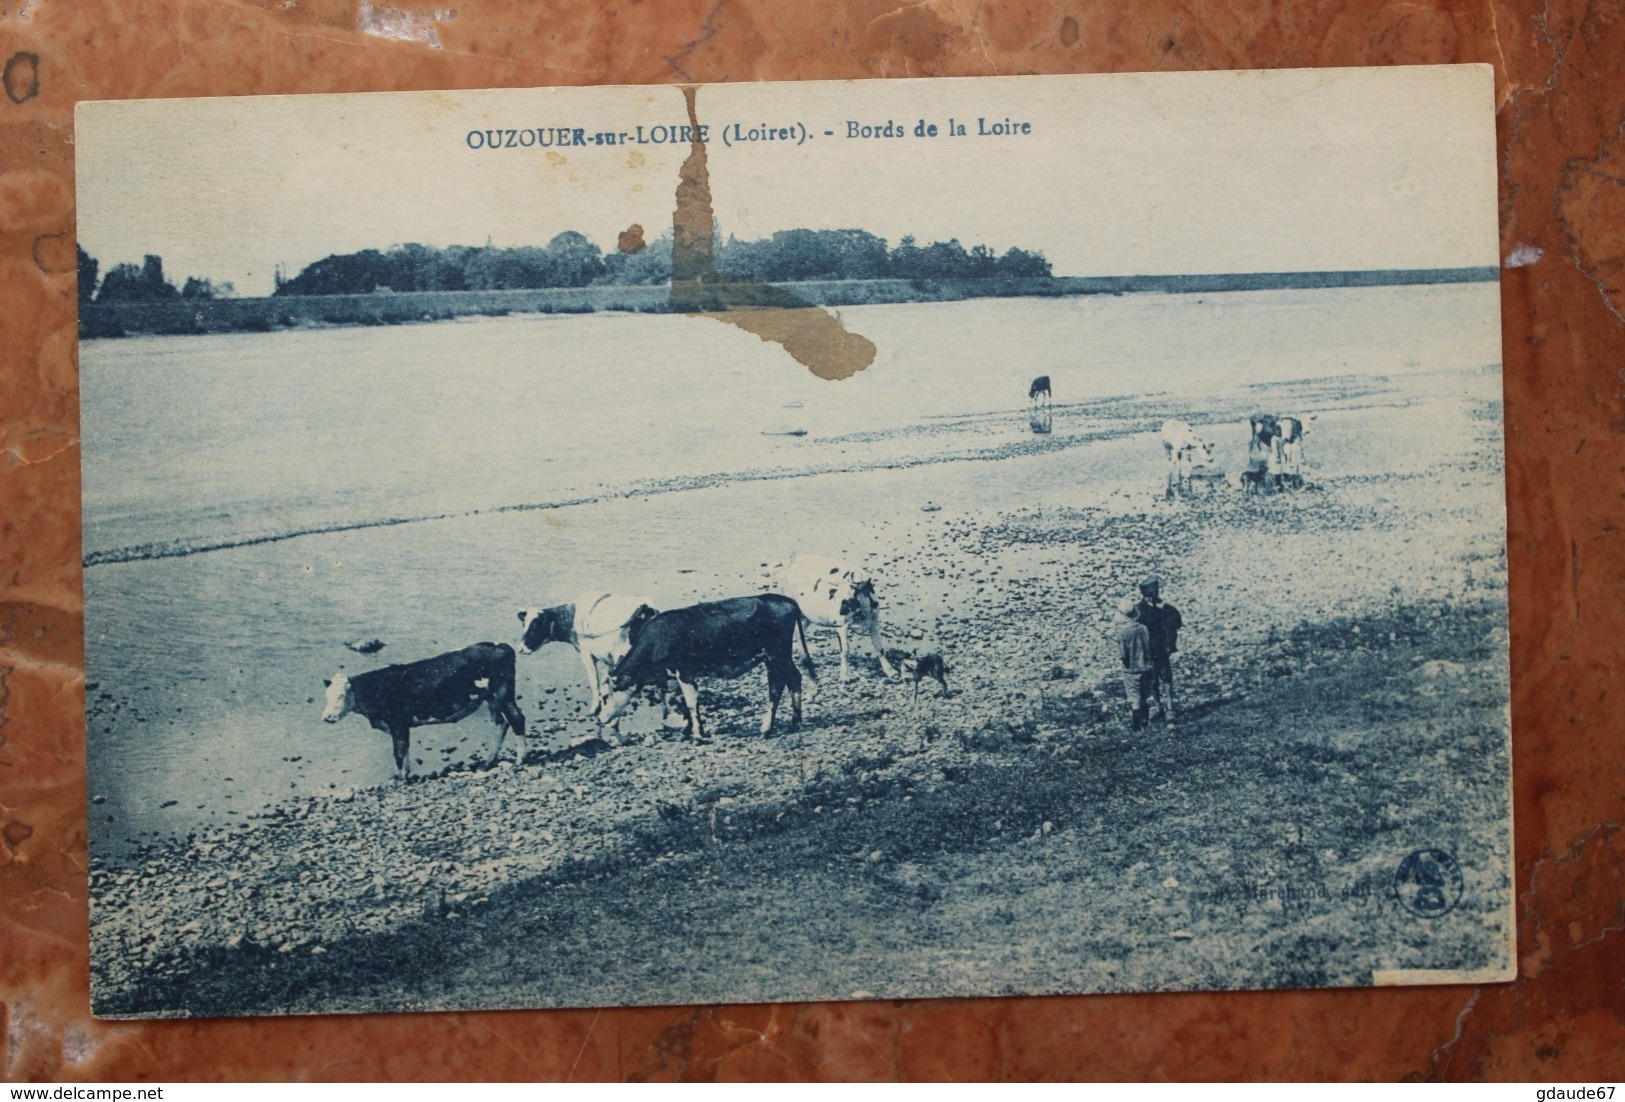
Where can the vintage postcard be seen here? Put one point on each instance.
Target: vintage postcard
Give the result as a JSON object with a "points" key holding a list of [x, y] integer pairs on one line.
{"points": [[879, 539]]}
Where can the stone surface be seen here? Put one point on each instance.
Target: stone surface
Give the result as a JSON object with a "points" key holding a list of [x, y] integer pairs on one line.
{"points": [[1561, 120]]}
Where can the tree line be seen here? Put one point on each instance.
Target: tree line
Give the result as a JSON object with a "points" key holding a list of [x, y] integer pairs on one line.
{"points": [[144, 282], [571, 260]]}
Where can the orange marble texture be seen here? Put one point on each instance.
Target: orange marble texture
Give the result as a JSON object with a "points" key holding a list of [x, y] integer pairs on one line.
{"points": [[1561, 124]]}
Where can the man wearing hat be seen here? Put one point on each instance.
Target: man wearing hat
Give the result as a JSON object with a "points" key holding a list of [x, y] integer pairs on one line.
{"points": [[1134, 646], [1162, 622]]}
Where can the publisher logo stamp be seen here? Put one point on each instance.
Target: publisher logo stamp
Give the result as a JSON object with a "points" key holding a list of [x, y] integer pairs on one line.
{"points": [[1428, 883]]}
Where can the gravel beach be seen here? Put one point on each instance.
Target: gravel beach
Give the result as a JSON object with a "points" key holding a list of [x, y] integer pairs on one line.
{"points": [[1342, 684]]}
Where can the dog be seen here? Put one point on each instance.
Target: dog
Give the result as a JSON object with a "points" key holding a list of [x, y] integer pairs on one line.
{"points": [[918, 667]]}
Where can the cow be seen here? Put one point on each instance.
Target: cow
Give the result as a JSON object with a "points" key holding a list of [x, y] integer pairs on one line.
{"points": [[601, 626], [1275, 452], [715, 639], [1290, 451], [832, 593], [1039, 389], [443, 689], [1185, 451]]}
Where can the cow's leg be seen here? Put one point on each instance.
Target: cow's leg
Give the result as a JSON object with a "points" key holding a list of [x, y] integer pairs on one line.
{"points": [[874, 641], [509, 717], [842, 634], [598, 684], [667, 717], [593, 687], [943, 681], [775, 689], [691, 704], [402, 738]]}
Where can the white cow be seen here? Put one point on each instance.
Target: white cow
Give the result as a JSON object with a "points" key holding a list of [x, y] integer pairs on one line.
{"points": [[1186, 451], [832, 593], [1290, 448], [601, 626]]}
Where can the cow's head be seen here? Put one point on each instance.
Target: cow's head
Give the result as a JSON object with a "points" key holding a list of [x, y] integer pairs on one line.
{"points": [[861, 602], [615, 704], [340, 699], [543, 625], [1207, 453]]}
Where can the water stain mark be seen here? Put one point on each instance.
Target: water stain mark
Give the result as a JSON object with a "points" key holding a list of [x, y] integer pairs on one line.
{"points": [[816, 337], [1069, 31], [22, 76], [631, 240], [53, 254]]}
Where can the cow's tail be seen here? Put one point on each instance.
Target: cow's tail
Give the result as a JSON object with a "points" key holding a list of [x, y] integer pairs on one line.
{"points": [[812, 671]]}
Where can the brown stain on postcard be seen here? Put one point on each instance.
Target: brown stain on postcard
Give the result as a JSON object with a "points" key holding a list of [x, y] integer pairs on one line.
{"points": [[816, 337]]}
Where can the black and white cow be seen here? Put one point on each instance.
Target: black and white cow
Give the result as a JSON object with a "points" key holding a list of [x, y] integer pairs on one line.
{"points": [[1039, 389], [443, 689], [834, 594], [1275, 451], [715, 639], [601, 626]]}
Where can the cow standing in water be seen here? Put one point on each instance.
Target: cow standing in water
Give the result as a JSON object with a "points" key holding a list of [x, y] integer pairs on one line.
{"points": [[443, 689], [1039, 389], [715, 639], [1275, 452], [1186, 451]]}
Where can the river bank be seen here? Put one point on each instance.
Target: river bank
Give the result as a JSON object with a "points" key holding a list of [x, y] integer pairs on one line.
{"points": [[1343, 681], [263, 315]]}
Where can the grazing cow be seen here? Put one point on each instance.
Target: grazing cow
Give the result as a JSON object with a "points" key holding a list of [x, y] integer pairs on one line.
{"points": [[601, 626], [1186, 451], [443, 689], [715, 639], [1039, 389], [833, 594]]}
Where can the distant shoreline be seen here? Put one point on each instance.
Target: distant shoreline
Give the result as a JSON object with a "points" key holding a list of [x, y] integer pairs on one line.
{"points": [[263, 315]]}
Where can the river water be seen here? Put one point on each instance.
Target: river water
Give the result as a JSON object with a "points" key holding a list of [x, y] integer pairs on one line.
{"points": [[211, 621]]}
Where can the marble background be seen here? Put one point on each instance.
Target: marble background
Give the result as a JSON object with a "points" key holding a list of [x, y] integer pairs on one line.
{"points": [[1561, 125]]}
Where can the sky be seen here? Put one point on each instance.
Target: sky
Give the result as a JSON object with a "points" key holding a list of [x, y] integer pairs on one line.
{"points": [[1288, 170]]}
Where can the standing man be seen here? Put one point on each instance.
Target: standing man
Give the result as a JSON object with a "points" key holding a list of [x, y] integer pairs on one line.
{"points": [[1134, 647], [1162, 623]]}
